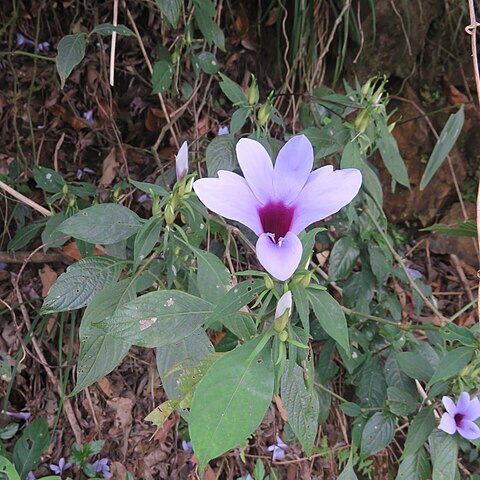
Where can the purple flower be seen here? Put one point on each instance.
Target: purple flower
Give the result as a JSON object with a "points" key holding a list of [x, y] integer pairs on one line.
{"points": [[277, 203], [414, 274], [61, 467], [25, 416], [88, 116], [81, 171], [278, 450], [22, 40], [3, 266], [181, 161], [43, 47], [223, 131], [101, 466], [31, 476], [461, 417], [144, 197], [187, 446]]}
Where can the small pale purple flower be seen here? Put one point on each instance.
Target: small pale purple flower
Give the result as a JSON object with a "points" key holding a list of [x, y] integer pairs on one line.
{"points": [[181, 161], [414, 274], [144, 197], [25, 416], [88, 116], [3, 266], [61, 467], [22, 40], [187, 446], [278, 450], [461, 417], [277, 203], [31, 476], [43, 47], [223, 131], [101, 466]]}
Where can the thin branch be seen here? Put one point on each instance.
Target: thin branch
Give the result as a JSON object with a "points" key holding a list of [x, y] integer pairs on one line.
{"points": [[25, 200]]}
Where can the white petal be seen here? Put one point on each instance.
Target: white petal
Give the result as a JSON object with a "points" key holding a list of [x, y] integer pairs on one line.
{"points": [[447, 424], [257, 168], [284, 303], [181, 161], [449, 405]]}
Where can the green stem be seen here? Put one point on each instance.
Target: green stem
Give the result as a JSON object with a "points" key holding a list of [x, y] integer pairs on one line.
{"points": [[28, 54], [331, 392]]}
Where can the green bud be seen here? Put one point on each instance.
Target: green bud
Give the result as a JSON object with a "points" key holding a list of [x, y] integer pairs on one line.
{"points": [[253, 94], [175, 56], [264, 114], [169, 214], [71, 202], [65, 189], [305, 282], [280, 322], [268, 282], [283, 336], [362, 121], [366, 87]]}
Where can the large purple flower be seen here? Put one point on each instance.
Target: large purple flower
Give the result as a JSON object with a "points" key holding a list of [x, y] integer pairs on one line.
{"points": [[461, 417], [277, 203]]}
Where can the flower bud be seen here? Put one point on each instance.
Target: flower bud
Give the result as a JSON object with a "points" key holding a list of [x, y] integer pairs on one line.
{"points": [[181, 162], [253, 94], [169, 214], [366, 87], [264, 114], [268, 282], [305, 282], [283, 336], [65, 189], [362, 121], [283, 312]]}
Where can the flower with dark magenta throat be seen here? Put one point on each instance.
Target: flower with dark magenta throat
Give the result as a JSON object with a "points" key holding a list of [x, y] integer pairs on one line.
{"points": [[278, 202], [461, 417]]}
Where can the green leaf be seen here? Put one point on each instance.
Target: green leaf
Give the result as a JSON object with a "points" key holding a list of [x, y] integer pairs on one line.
{"points": [[327, 140], [444, 454], [213, 278], [452, 332], [239, 118], [106, 223], [330, 316], [146, 238], [210, 30], [100, 352], [233, 91], [77, 287], [351, 409], [462, 228], [47, 179], [452, 363], [24, 235], [342, 258], [230, 401], [29, 448], [300, 298], [106, 29], [50, 235], [391, 156], [415, 467], [172, 360], [170, 10], [220, 155], [7, 470], [377, 433], [71, 50], [401, 402], [207, 62], [302, 407], [158, 318], [151, 188], [239, 296], [378, 263], [445, 143], [414, 365], [162, 76], [372, 386], [420, 428], [348, 472]]}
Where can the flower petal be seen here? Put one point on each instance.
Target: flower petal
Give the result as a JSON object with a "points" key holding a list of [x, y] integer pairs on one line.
{"points": [[324, 194], [449, 405], [257, 168], [181, 161], [292, 168], [473, 409], [284, 303], [281, 261], [469, 430], [463, 402], [230, 197], [447, 424]]}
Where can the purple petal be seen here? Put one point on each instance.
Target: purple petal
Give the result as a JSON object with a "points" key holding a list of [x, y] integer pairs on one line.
{"points": [[281, 444], [469, 430], [463, 402], [31, 476], [473, 410], [181, 161], [223, 131], [230, 196], [257, 168], [292, 168], [55, 469], [414, 274], [20, 39], [3, 266], [324, 194], [278, 454], [449, 405], [280, 260], [284, 303], [447, 424]]}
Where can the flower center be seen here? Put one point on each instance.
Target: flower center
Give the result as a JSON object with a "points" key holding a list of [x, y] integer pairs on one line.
{"points": [[276, 219], [458, 417]]}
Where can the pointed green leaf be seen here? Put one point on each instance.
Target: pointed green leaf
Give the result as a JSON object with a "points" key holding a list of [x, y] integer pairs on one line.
{"points": [[444, 453], [230, 401], [452, 363], [106, 29], [348, 473], [220, 155], [342, 258], [170, 10], [71, 50], [415, 467], [420, 428], [106, 223], [82, 281], [377, 433], [233, 91], [162, 76], [8, 469]]}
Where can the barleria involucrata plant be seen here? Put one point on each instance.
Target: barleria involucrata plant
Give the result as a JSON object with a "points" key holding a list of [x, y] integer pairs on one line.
{"points": [[158, 287]]}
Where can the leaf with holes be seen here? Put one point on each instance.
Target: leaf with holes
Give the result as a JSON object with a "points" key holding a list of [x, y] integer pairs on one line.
{"points": [[230, 401], [71, 50], [158, 318], [78, 286], [302, 407], [100, 352], [106, 223], [377, 433], [8, 469]]}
